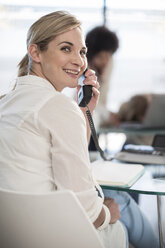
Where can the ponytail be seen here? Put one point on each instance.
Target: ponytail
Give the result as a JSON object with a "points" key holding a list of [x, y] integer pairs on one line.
{"points": [[23, 66]]}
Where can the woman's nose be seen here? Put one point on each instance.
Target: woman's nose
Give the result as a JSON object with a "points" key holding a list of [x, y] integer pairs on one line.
{"points": [[78, 60]]}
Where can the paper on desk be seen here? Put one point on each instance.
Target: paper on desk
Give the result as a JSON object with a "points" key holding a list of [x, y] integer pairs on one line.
{"points": [[116, 174]]}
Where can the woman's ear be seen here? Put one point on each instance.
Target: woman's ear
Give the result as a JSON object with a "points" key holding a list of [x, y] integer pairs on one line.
{"points": [[34, 53]]}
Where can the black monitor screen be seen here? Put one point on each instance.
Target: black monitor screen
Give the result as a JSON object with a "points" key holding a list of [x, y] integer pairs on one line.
{"points": [[159, 142]]}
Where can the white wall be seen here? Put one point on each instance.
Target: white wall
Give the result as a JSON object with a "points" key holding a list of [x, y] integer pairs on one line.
{"points": [[139, 61]]}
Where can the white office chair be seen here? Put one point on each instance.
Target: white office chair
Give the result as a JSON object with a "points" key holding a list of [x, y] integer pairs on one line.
{"points": [[53, 220]]}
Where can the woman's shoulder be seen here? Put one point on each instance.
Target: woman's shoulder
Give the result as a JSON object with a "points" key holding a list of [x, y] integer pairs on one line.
{"points": [[61, 110], [63, 100], [63, 104]]}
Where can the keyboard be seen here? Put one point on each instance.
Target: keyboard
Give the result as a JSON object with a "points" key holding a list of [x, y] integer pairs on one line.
{"points": [[140, 158]]}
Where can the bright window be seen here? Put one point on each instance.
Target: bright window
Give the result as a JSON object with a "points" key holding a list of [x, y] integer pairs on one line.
{"points": [[139, 24]]}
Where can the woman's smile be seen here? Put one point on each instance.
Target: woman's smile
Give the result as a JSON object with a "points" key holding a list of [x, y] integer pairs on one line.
{"points": [[72, 73]]}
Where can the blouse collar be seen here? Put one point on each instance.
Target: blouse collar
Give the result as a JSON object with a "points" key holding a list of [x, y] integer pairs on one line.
{"points": [[34, 80]]}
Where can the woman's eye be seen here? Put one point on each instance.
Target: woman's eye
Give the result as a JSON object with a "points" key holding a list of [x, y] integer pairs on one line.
{"points": [[65, 49], [83, 52]]}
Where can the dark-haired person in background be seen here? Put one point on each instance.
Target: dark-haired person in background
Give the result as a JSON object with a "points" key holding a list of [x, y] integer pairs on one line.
{"points": [[102, 44]]}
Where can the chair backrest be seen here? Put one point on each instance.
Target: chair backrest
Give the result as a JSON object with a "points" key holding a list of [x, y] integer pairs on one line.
{"points": [[53, 220]]}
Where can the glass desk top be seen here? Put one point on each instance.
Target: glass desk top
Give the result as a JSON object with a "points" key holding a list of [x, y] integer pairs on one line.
{"points": [[146, 184]]}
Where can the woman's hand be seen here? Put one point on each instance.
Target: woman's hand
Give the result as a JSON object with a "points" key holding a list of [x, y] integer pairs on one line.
{"points": [[113, 208], [91, 79]]}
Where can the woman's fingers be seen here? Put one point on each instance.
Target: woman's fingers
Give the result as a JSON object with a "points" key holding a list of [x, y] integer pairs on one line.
{"points": [[91, 79]]}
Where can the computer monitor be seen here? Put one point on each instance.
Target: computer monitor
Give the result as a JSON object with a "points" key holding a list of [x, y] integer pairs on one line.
{"points": [[155, 116]]}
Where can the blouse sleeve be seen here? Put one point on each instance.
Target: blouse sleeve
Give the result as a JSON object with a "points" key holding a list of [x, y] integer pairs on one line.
{"points": [[63, 122]]}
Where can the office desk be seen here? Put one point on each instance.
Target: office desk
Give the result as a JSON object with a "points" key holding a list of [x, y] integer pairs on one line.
{"points": [[133, 129], [147, 185], [118, 136]]}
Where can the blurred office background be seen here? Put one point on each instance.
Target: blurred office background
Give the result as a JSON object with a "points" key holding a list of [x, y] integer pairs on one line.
{"points": [[139, 24], [139, 62]]}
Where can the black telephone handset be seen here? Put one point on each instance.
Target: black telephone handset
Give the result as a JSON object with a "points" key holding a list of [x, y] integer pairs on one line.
{"points": [[84, 96], [85, 92]]}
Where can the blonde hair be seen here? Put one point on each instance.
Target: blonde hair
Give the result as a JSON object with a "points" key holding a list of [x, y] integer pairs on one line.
{"points": [[45, 30]]}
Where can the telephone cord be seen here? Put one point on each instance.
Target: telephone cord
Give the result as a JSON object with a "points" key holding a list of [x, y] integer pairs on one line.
{"points": [[94, 135]]}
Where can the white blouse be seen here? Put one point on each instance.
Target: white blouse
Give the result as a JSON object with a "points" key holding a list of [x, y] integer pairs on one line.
{"points": [[43, 145]]}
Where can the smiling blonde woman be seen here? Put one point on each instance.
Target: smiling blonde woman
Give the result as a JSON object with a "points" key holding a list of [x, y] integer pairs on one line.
{"points": [[44, 143]]}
